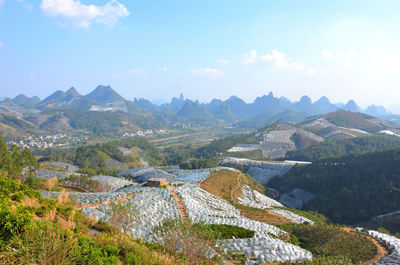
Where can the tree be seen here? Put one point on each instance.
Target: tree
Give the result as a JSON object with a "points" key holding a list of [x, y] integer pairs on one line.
{"points": [[29, 160], [124, 216], [191, 239]]}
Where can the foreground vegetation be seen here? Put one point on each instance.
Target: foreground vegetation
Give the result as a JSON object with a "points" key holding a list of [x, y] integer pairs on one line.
{"points": [[34, 230]]}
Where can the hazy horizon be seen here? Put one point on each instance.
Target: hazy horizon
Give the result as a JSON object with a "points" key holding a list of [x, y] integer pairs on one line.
{"points": [[342, 50], [160, 101]]}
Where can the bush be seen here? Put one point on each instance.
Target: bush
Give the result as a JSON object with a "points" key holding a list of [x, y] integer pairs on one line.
{"points": [[43, 243], [13, 219], [131, 259], [8, 186], [33, 182], [123, 215], [199, 163], [227, 231], [18, 196], [65, 210], [191, 240]]}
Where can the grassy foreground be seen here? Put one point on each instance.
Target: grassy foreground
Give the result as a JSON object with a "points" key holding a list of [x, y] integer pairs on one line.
{"points": [[35, 230]]}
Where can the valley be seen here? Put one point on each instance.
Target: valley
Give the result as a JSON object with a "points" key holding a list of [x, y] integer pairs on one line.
{"points": [[199, 132], [235, 193], [281, 183]]}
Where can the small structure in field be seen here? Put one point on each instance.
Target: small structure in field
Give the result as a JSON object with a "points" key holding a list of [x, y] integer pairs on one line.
{"points": [[156, 182]]}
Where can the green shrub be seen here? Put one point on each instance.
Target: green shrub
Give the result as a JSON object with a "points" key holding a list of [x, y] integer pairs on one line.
{"points": [[132, 259], [65, 210], [43, 243], [109, 250], [12, 221], [229, 231], [88, 251], [45, 208], [8, 186], [33, 182], [18, 196]]}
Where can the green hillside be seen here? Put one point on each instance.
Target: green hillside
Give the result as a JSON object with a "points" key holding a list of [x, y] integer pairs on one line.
{"points": [[348, 189]]}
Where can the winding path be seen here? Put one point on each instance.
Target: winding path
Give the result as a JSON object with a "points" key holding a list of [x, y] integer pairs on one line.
{"points": [[380, 250], [238, 186], [181, 206]]}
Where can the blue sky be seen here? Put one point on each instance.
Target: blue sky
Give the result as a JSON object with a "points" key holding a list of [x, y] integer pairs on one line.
{"points": [[204, 49]]}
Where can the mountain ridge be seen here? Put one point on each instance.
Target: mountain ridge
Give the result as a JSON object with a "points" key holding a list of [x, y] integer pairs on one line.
{"points": [[263, 110]]}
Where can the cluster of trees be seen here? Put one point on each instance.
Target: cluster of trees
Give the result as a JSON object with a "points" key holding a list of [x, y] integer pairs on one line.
{"points": [[340, 147], [14, 161], [199, 163], [348, 189], [180, 154], [220, 146], [92, 158]]}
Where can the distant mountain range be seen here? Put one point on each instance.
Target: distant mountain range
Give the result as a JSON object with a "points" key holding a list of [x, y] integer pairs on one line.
{"points": [[62, 109]]}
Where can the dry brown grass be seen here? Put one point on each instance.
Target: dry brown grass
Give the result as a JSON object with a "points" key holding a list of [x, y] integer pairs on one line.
{"points": [[228, 184], [92, 221], [30, 202], [62, 198], [49, 184], [264, 216]]}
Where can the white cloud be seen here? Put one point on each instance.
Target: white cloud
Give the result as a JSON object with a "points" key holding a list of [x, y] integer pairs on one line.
{"points": [[278, 59], [250, 58], [1, 44], [81, 16], [2, 2], [348, 56], [206, 72], [223, 61], [136, 72]]}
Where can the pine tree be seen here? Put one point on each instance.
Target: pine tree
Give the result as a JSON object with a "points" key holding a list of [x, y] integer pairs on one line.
{"points": [[5, 158], [29, 160], [15, 170]]}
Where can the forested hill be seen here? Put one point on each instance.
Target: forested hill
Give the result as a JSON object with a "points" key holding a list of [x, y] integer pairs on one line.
{"points": [[348, 189], [341, 147]]}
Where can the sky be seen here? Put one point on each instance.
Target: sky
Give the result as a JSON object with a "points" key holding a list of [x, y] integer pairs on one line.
{"points": [[204, 49]]}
